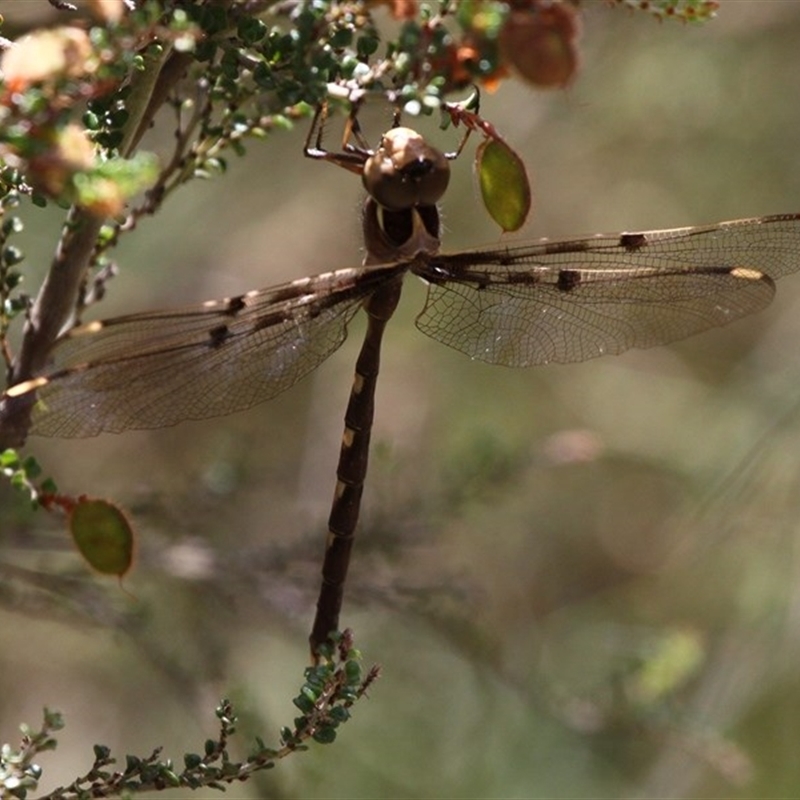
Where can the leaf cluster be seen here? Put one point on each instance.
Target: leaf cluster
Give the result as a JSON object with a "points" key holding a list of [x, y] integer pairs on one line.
{"points": [[329, 691]]}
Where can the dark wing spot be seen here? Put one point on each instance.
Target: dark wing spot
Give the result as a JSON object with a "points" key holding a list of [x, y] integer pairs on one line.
{"points": [[235, 305], [218, 335], [632, 241], [568, 279], [522, 277]]}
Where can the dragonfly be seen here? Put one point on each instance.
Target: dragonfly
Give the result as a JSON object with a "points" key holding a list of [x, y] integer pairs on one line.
{"points": [[517, 304]]}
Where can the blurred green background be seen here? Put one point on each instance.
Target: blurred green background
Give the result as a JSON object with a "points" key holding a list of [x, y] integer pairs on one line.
{"points": [[581, 581]]}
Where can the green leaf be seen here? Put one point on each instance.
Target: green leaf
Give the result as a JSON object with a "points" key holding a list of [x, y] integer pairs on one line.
{"points": [[339, 714], [12, 256], [31, 467], [304, 704], [111, 182], [325, 735], [170, 777], [12, 225], [9, 459], [101, 752], [353, 671], [103, 536], [504, 184], [53, 720], [251, 30], [310, 693]]}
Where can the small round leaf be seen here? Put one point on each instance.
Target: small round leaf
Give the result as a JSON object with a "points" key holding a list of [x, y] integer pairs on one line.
{"points": [[103, 536], [504, 184]]}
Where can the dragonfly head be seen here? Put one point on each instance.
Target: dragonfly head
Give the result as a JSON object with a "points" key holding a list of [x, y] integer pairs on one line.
{"points": [[405, 171]]}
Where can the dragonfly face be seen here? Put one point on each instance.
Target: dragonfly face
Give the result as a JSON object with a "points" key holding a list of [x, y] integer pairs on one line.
{"points": [[405, 171]]}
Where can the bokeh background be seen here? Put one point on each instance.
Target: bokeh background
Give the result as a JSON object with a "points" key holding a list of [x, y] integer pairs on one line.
{"points": [[581, 581]]}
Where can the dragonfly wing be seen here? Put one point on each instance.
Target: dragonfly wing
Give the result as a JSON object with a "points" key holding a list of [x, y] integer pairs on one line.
{"points": [[576, 300], [156, 369]]}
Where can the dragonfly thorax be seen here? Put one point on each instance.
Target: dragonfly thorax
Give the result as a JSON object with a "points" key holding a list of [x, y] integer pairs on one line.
{"points": [[405, 171], [391, 235]]}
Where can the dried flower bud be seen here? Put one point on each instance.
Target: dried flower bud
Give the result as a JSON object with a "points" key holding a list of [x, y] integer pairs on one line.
{"points": [[52, 170], [108, 10], [540, 43], [46, 55]]}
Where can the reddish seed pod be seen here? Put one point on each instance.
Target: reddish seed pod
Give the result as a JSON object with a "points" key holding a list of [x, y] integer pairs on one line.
{"points": [[541, 43]]}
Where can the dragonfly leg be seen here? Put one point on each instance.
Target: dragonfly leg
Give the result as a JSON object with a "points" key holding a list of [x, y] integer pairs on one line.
{"points": [[351, 158], [353, 131], [466, 113]]}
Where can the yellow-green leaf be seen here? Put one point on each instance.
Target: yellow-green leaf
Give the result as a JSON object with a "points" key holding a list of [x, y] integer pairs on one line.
{"points": [[103, 536], [504, 184]]}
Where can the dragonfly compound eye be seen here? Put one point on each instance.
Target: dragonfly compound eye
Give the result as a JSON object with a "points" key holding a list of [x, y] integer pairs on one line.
{"points": [[405, 171]]}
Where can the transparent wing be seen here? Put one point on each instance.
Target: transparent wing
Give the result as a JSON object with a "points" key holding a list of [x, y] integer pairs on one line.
{"points": [[156, 369], [574, 300]]}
